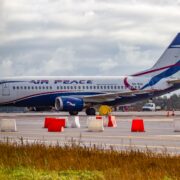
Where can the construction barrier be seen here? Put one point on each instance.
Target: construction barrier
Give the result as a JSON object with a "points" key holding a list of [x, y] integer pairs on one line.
{"points": [[169, 113], [95, 125], [99, 117], [112, 121], [75, 122], [49, 120], [65, 121], [55, 126], [137, 125], [176, 123], [8, 125]]}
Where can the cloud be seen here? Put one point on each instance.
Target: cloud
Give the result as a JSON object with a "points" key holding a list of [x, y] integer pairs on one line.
{"points": [[84, 37]]}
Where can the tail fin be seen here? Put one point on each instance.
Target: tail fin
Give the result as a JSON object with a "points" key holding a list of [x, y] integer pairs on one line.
{"points": [[168, 64]]}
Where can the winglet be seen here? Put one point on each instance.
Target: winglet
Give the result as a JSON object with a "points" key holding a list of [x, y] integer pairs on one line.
{"points": [[176, 42]]}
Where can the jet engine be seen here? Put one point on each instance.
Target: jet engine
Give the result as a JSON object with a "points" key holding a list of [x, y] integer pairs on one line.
{"points": [[69, 104]]}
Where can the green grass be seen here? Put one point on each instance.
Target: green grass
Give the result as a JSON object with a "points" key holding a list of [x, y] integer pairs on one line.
{"points": [[29, 173], [37, 161]]}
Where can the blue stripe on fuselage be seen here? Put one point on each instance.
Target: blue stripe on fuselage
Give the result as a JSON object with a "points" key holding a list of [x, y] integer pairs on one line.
{"points": [[169, 72], [46, 99]]}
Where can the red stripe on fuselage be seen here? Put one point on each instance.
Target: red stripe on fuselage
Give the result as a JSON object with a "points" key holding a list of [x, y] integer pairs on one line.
{"points": [[154, 70]]}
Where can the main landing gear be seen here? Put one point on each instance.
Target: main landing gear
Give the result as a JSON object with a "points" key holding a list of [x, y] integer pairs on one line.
{"points": [[73, 113], [91, 111]]}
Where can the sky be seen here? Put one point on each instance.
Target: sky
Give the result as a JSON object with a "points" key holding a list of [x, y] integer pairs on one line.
{"points": [[84, 37]]}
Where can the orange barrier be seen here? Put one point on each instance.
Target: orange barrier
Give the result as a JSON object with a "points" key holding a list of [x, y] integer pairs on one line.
{"points": [[55, 126], [173, 114], [62, 121], [137, 125], [112, 121], [47, 121]]}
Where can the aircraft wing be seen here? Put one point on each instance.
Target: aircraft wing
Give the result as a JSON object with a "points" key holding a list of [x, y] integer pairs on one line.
{"points": [[112, 96], [174, 81]]}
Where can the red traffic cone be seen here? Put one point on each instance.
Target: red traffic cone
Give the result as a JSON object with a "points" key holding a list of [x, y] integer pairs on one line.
{"points": [[112, 121]]}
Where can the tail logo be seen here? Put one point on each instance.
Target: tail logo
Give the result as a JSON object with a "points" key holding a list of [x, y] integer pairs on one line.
{"points": [[127, 85]]}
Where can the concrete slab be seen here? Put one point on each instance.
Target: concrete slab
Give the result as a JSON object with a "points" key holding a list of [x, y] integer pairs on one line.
{"points": [[159, 135]]}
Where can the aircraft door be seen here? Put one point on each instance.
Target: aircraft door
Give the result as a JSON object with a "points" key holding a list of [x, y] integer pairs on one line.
{"points": [[5, 89]]}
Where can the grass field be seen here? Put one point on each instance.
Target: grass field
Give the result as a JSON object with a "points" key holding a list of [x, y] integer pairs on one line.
{"points": [[38, 161]]}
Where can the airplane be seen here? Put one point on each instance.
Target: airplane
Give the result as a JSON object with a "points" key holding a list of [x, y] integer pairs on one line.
{"points": [[77, 93]]}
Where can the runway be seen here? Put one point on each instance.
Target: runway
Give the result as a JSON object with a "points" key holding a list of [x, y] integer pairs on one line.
{"points": [[159, 135]]}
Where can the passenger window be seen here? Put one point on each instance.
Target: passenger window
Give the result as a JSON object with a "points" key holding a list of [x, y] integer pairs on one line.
{"points": [[32, 87], [24, 87], [14, 87], [87, 87], [94, 87], [39, 87], [79, 87], [17, 87], [21, 87], [47, 87], [50, 87]]}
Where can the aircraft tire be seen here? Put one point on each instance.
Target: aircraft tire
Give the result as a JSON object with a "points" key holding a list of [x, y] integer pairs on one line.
{"points": [[73, 113], [90, 111]]}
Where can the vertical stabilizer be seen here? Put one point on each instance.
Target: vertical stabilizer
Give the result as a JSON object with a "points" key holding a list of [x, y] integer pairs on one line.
{"points": [[168, 64]]}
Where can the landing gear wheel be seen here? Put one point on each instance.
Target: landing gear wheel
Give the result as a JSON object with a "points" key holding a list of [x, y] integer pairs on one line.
{"points": [[73, 113], [90, 111]]}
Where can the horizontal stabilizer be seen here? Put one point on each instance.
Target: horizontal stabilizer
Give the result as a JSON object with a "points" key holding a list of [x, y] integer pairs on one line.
{"points": [[174, 81]]}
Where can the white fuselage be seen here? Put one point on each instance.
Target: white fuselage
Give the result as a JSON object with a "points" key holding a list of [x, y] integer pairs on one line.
{"points": [[13, 90]]}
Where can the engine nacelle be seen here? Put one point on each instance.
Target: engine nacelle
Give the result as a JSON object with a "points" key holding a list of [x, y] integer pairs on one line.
{"points": [[69, 104]]}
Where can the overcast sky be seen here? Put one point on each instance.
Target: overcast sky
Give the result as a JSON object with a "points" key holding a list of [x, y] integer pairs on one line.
{"points": [[84, 37]]}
